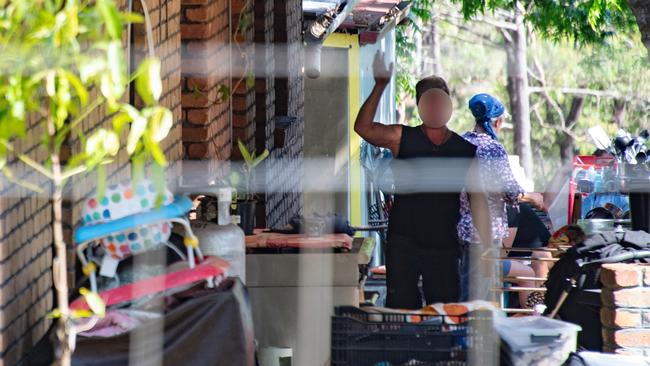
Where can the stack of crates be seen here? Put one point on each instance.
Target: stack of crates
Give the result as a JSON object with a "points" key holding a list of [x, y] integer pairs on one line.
{"points": [[362, 338]]}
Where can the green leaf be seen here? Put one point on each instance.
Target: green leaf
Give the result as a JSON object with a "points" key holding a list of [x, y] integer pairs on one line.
{"points": [[148, 82], [78, 86], [90, 67], [156, 152], [101, 181], [248, 159], [138, 128], [160, 123], [260, 158], [101, 143], [3, 157], [235, 179], [111, 18], [127, 17], [75, 160], [120, 120], [223, 93], [112, 143], [117, 68]]}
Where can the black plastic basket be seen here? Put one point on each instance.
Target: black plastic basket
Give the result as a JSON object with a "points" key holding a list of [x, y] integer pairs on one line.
{"points": [[361, 338]]}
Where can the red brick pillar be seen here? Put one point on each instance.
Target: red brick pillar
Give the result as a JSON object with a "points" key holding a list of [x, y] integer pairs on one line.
{"points": [[206, 82], [243, 69], [625, 314]]}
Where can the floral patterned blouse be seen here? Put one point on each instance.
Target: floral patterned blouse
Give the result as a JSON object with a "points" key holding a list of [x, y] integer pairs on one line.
{"points": [[499, 183]]}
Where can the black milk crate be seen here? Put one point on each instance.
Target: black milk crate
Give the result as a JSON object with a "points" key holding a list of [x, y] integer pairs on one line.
{"points": [[363, 338]]}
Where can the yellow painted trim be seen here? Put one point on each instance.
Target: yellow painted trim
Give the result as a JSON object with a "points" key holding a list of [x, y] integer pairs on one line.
{"points": [[356, 189], [341, 40], [351, 42]]}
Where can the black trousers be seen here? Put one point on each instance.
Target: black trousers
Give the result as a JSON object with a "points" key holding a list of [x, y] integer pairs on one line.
{"points": [[407, 262]]}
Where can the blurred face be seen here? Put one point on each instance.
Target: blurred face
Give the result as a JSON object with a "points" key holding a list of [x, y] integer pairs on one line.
{"points": [[435, 108]]}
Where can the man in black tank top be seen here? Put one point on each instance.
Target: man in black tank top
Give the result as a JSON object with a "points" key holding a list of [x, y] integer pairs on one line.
{"points": [[432, 166]]}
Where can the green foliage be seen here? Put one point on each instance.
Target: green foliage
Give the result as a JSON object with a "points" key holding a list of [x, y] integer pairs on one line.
{"points": [[405, 47], [587, 21], [581, 22], [618, 67], [54, 54], [243, 179]]}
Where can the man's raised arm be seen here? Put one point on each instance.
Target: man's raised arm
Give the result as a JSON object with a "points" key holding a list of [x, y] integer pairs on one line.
{"points": [[378, 134]]}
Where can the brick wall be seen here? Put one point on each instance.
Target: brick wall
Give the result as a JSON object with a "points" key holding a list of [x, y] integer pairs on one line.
{"points": [[166, 29], [625, 314], [205, 33], [243, 58], [25, 219], [279, 27], [265, 75], [25, 259]]}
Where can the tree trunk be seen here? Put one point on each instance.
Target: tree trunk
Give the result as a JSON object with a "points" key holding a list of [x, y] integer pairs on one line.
{"points": [[431, 61], [576, 109], [641, 10], [420, 53], [436, 64], [566, 147], [517, 68], [566, 141], [59, 263], [59, 271], [619, 112]]}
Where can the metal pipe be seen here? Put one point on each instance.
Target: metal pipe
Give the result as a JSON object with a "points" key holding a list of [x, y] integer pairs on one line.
{"points": [[523, 250], [522, 259], [518, 289], [512, 311], [523, 278]]}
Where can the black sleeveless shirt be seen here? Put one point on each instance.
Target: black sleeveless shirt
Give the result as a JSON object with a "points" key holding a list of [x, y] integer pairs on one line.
{"points": [[428, 182]]}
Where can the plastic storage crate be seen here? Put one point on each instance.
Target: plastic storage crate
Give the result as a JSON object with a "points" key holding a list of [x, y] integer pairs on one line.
{"points": [[362, 338]]}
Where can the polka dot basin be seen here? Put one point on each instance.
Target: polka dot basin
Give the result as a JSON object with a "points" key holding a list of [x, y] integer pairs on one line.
{"points": [[124, 200]]}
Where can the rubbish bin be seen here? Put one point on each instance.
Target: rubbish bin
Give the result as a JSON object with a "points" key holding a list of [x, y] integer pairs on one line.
{"points": [[636, 182]]}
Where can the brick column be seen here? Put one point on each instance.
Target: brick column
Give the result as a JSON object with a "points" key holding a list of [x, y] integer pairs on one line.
{"points": [[265, 75], [243, 59], [625, 314], [284, 171], [206, 82]]}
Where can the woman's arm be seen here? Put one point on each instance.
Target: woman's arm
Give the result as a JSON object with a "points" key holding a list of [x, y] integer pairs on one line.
{"points": [[378, 134], [479, 205]]}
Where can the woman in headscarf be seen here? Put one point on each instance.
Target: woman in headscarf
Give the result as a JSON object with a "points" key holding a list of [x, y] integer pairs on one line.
{"points": [[501, 188]]}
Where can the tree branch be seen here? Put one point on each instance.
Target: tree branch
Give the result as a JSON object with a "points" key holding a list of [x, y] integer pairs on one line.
{"points": [[501, 24], [462, 27], [578, 91], [546, 95], [532, 74], [562, 129], [506, 35], [27, 160], [487, 43]]}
